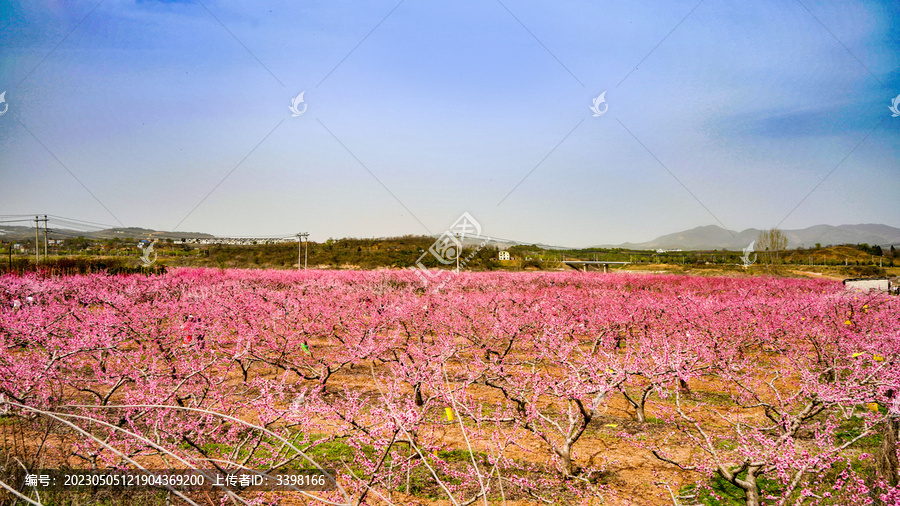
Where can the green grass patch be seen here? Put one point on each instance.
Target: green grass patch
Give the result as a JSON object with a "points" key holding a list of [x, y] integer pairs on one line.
{"points": [[851, 429], [332, 451], [105, 498], [725, 444], [464, 456], [718, 398], [720, 492]]}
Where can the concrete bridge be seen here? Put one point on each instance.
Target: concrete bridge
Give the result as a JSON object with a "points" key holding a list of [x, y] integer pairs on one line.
{"points": [[583, 264]]}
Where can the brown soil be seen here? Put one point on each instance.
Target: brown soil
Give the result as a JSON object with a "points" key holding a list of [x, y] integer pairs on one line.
{"points": [[631, 473]]}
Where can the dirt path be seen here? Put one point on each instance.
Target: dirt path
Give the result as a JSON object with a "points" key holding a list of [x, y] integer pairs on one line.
{"points": [[816, 275]]}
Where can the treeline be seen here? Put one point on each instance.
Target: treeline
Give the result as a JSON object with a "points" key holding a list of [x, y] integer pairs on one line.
{"points": [[78, 265], [407, 251], [847, 254], [370, 253]]}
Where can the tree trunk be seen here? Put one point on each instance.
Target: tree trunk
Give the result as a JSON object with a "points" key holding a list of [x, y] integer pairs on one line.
{"points": [[639, 404], [751, 487], [419, 401], [565, 454], [752, 497], [886, 464], [639, 412], [748, 484]]}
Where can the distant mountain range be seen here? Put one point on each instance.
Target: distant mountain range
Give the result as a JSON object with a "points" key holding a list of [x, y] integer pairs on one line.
{"points": [[15, 233], [715, 237], [700, 238]]}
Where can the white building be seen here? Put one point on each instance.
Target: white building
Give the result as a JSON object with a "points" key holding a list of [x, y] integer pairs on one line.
{"points": [[866, 284], [504, 255]]}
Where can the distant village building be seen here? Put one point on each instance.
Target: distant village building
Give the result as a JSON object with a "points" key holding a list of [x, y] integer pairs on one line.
{"points": [[866, 284], [504, 255], [240, 241]]}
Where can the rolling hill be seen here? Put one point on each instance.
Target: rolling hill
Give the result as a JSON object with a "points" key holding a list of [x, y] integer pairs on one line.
{"points": [[715, 237]]}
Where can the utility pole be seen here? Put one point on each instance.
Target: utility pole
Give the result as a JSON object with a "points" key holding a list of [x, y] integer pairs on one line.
{"points": [[37, 251], [45, 236], [300, 237], [458, 252]]}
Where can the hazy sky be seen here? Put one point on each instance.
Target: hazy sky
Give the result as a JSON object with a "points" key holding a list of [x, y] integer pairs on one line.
{"points": [[719, 112]]}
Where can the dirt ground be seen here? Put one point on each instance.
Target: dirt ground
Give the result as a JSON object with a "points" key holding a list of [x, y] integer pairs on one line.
{"points": [[632, 474]]}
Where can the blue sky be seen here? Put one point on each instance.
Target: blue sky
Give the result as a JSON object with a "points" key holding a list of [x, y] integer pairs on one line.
{"points": [[720, 112]]}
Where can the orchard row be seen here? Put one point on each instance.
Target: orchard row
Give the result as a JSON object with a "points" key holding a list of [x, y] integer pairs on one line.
{"points": [[787, 389]]}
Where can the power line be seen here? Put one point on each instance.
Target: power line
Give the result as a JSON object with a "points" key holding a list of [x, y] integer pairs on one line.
{"points": [[54, 231], [57, 224], [107, 225], [79, 225]]}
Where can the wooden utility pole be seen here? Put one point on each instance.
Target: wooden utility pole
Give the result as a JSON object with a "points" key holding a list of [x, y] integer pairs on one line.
{"points": [[300, 237], [45, 237], [458, 252], [37, 251]]}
